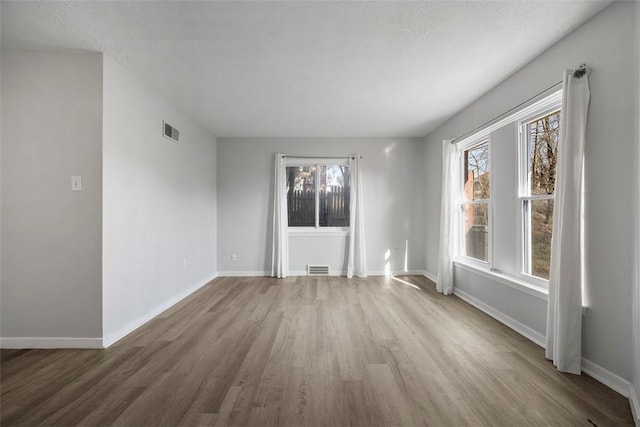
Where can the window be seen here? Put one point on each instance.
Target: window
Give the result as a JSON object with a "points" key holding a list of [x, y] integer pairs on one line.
{"points": [[475, 201], [539, 138], [507, 193], [318, 195]]}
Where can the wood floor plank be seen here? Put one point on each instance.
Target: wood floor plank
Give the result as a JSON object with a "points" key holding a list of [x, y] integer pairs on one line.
{"points": [[307, 351]]}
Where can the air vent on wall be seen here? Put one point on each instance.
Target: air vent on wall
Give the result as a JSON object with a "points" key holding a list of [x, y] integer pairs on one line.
{"points": [[317, 270], [170, 132]]}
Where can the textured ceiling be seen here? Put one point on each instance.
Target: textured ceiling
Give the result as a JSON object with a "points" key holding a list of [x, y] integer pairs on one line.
{"points": [[304, 68]]}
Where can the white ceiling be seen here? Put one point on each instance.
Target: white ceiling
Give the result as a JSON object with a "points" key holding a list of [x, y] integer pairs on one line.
{"points": [[305, 68]]}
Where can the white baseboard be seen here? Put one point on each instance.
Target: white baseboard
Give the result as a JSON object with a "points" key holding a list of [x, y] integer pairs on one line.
{"points": [[294, 273], [430, 276], [116, 336], [49, 342], [250, 273], [253, 273], [520, 328], [410, 273], [395, 273], [635, 405], [607, 378]]}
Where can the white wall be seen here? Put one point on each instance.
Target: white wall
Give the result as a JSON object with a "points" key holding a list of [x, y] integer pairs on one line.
{"points": [[605, 45], [159, 204], [635, 392], [393, 178], [51, 236]]}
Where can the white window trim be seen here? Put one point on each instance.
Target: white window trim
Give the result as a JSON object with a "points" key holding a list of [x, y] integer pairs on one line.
{"points": [[467, 144], [317, 230], [528, 110], [320, 231], [535, 111]]}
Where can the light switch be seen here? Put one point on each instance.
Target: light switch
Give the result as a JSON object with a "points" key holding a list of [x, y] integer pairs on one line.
{"points": [[76, 183]]}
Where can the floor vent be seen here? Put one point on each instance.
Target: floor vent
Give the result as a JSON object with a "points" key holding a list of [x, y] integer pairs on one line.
{"points": [[317, 270]]}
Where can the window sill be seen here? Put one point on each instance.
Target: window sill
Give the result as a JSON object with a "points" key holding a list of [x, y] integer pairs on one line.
{"points": [[504, 279], [323, 231]]}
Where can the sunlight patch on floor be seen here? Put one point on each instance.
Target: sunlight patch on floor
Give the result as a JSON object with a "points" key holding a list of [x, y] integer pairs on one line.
{"points": [[404, 282]]}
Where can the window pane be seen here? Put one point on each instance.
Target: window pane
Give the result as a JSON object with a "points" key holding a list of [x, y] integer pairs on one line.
{"points": [[539, 215], [301, 196], [476, 173], [542, 148], [334, 196], [476, 230]]}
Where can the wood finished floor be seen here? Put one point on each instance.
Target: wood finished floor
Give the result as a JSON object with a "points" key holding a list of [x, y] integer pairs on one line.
{"points": [[307, 351]]}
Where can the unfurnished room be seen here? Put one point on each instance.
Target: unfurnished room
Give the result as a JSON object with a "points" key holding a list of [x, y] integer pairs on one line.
{"points": [[292, 213]]}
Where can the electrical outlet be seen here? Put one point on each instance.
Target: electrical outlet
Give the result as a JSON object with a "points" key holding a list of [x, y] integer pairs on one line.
{"points": [[76, 183], [234, 257]]}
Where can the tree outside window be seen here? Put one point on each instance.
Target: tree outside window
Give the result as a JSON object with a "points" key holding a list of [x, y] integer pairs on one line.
{"points": [[475, 202], [541, 137]]}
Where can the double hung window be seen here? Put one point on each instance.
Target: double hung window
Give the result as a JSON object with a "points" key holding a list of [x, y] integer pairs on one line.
{"points": [[539, 139], [318, 195], [475, 201]]}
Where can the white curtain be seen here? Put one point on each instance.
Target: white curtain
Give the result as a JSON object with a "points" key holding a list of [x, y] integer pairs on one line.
{"points": [[357, 260], [449, 218], [280, 252], [564, 312]]}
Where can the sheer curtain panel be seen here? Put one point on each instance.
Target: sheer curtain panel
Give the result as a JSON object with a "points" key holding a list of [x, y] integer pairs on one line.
{"points": [[449, 218], [357, 260], [564, 311], [280, 252]]}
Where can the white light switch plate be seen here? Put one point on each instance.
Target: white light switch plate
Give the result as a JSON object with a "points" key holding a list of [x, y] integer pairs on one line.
{"points": [[76, 183]]}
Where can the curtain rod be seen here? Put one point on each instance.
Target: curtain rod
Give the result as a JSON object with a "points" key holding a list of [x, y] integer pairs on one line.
{"points": [[581, 71], [319, 157]]}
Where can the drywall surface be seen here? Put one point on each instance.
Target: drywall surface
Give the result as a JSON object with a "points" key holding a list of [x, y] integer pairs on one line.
{"points": [[393, 177], [635, 384], [604, 44], [51, 236], [159, 227], [318, 249]]}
